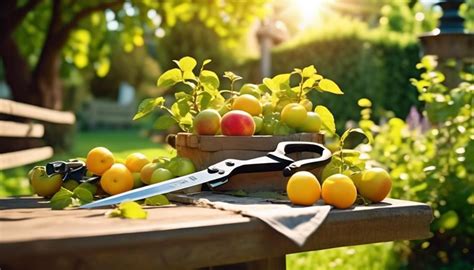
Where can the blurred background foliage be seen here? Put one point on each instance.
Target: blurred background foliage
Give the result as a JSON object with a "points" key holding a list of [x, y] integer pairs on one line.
{"points": [[369, 47]]}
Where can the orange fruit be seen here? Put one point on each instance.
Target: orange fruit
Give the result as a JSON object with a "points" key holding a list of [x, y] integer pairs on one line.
{"points": [[99, 160], [303, 188], [338, 190], [136, 161], [247, 103], [117, 179]]}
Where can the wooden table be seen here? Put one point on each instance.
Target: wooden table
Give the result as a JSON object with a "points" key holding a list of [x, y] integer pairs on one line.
{"points": [[184, 237]]}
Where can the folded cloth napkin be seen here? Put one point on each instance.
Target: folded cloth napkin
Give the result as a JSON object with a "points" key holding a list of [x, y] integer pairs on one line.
{"points": [[295, 222]]}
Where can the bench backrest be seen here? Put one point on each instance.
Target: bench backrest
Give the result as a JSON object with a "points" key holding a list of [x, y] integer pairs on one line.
{"points": [[28, 129]]}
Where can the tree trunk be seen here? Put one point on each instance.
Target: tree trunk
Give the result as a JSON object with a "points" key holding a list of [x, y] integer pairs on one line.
{"points": [[17, 73], [46, 81]]}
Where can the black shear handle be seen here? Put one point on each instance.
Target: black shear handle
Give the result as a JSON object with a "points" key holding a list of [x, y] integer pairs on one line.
{"points": [[285, 148]]}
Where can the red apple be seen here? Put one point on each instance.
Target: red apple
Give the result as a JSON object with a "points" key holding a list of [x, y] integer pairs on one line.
{"points": [[207, 122], [237, 123]]}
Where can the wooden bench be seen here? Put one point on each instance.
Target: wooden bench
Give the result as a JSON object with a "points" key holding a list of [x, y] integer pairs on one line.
{"points": [[29, 130], [184, 236]]}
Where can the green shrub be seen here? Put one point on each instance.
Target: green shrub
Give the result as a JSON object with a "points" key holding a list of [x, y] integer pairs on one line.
{"points": [[434, 163], [365, 63]]}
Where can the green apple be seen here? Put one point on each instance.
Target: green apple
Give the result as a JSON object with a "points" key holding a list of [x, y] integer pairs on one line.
{"points": [[137, 181], [267, 108], [180, 166], [294, 115], [251, 89], [43, 184], [160, 175], [307, 104], [258, 123], [147, 171], [282, 129], [312, 124], [268, 125]]}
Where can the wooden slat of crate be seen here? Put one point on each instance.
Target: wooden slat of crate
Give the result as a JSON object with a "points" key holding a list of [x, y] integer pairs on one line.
{"points": [[34, 112], [256, 142], [23, 157], [14, 129]]}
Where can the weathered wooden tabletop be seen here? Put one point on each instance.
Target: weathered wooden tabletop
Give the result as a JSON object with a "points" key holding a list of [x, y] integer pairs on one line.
{"points": [[184, 237]]}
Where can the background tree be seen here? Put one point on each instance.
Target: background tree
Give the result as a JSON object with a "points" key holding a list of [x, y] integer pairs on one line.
{"points": [[41, 37]]}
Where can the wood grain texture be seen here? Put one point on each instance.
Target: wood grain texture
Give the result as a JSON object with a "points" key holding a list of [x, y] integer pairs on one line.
{"points": [[207, 150], [13, 129], [182, 237], [34, 112], [23, 157]]}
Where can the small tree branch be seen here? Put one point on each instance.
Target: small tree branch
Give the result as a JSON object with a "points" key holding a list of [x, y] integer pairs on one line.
{"points": [[11, 17], [21, 12], [86, 12]]}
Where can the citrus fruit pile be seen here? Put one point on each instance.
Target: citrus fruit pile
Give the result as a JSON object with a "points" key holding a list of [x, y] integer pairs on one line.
{"points": [[339, 190], [114, 177]]}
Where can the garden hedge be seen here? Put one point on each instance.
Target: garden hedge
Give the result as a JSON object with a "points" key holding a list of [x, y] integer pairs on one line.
{"points": [[365, 63]]}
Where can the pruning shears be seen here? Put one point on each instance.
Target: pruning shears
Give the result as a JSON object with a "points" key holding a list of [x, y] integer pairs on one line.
{"points": [[219, 173], [72, 169]]}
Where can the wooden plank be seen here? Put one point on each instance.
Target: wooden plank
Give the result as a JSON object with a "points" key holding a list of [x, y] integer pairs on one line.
{"points": [[179, 237], [34, 112], [13, 129], [256, 142], [23, 157]]}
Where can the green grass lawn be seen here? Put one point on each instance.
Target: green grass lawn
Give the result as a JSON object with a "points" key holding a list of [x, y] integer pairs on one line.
{"points": [[122, 143]]}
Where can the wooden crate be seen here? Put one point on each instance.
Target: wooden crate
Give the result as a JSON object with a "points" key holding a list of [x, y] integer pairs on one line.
{"points": [[207, 150]]}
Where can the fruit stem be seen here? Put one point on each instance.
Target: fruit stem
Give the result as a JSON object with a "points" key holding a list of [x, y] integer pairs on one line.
{"points": [[232, 88], [301, 89], [341, 146], [195, 95]]}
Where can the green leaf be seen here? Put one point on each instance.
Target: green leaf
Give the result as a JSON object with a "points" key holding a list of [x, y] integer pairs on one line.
{"points": [[327, 119], [364, 103], [330, 86], [164, 122], [282, 81], [353, 137], [188, 75], [309, 71], [132, 210], [209, 80], [232, 76], [204, 100], [419, 187], [157, 200], [61, 200], [309, 83], [147, 106], [448, 220], [205, 62], [169, 78], [186, 63], [90, 187], [270, 84], [183, 106], [84, 195]]}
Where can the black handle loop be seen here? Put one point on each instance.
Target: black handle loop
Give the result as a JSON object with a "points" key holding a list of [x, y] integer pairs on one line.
{"points": [[285, 148]]}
